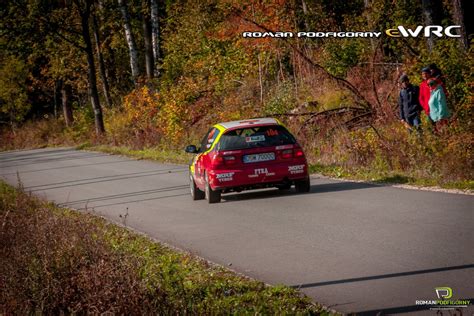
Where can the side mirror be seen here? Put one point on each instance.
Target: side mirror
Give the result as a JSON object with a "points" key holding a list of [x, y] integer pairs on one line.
{"points": [[191, 149]]}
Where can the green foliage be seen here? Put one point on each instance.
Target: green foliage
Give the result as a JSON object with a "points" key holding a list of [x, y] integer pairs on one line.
{"points": [[457, 68], [13, 97], [341, 55], [210, 73], [282, 100], [197, 64], [333, 99]]}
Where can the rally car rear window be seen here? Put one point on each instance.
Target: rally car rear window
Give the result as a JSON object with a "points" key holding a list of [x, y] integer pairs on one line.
{"points": [[261, 136]]}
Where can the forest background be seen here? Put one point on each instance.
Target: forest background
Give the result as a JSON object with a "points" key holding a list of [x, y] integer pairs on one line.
{"points": [[147, 77]]}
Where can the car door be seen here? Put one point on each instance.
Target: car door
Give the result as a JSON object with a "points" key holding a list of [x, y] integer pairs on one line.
{"points": [[201, 160]]}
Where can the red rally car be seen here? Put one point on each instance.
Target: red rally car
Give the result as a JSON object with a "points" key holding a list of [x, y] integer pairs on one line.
{"points": [[244, 155]]}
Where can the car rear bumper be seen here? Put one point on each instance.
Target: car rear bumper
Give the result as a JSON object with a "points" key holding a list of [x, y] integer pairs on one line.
{"points": [[257, 176]]}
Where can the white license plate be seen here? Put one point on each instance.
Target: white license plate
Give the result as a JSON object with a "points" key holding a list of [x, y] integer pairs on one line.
{"points": [[259, 157]]}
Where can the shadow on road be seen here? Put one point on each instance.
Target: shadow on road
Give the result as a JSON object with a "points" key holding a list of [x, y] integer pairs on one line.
{"points": [[66, 167], [123, 195], [315, 188], [40, 160], [135, 201], [72, 183], [22, 155], [383, 276]]}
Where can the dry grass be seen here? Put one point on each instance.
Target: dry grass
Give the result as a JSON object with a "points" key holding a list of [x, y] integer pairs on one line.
{"points": [[44, 133], [56, 261], [54, 264]]}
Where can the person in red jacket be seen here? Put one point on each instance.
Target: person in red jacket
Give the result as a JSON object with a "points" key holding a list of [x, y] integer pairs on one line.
{"points": [[425, 90]]}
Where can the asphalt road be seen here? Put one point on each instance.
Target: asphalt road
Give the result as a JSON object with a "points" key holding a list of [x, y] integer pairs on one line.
{"points": [[352, 246]]}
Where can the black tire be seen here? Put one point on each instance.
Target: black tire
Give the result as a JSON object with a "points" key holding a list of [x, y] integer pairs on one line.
{"points": [[211, 195], [196, 193], [302, 186]]}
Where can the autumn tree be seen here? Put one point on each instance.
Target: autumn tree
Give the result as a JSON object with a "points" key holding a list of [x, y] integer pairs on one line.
{"points": [[100, 58], [13, 98], [84, 8]]}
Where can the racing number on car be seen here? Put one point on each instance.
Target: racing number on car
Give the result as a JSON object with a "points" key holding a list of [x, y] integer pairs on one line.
{"points": [[272, 132]]}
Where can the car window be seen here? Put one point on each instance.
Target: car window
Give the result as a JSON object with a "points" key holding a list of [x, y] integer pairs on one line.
{"points": [[208, 139], [261, 136]]}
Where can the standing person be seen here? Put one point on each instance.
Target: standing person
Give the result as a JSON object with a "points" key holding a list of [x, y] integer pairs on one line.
{"points": [[436, 73], [439, 112], [425, 91], [409, 104]]}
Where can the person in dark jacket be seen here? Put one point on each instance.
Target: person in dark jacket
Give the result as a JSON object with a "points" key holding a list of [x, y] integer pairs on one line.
{"points": [[409, 104]]}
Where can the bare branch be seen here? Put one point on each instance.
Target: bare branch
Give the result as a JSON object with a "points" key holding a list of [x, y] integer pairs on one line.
{"points": [[72, 42], [361, 100], [374, 86]]}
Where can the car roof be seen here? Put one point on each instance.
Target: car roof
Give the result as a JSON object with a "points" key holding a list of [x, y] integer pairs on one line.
{"points": [[249, 122]]}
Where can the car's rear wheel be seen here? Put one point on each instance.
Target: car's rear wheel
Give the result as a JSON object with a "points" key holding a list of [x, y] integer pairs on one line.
{"points": [[212, 196], [196, 193], [302, 186]]}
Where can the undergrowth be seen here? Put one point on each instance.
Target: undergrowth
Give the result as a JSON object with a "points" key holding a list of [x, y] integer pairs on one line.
{"points": [[55, 261]]}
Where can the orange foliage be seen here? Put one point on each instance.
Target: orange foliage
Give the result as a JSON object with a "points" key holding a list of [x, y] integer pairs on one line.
{"points": [[271, 15], [137, 123]]}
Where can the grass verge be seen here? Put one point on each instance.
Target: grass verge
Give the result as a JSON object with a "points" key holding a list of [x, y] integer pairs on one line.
{"points": [[387, 177], [54, 261], [364, 174], [158, 154]]}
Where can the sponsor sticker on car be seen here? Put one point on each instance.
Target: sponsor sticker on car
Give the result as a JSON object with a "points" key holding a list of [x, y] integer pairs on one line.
{"points": [[261, 171], [255, 138], [296, 169], [223, 177]]}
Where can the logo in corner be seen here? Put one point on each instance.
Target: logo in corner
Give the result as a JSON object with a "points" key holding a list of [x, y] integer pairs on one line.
{"points": [[444, 292]]}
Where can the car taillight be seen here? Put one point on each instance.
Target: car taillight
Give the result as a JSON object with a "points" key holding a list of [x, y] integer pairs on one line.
{"points": [[286, 154], [218, 160], [290, 153], [299, 153]]}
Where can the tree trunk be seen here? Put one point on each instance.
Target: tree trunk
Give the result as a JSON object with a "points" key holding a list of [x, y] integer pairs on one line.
{"points": [[148, 47], [458, 17], [56, 87], [103, 76], [260, 78], [304, 7], [431, 16], [112, 68], [132, 46], [92, 80], [67, 109], [155, 35], [369, 20]]}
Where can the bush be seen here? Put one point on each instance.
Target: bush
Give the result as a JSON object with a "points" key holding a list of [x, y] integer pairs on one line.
{"points": [[387, 150], [136, 123]]}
